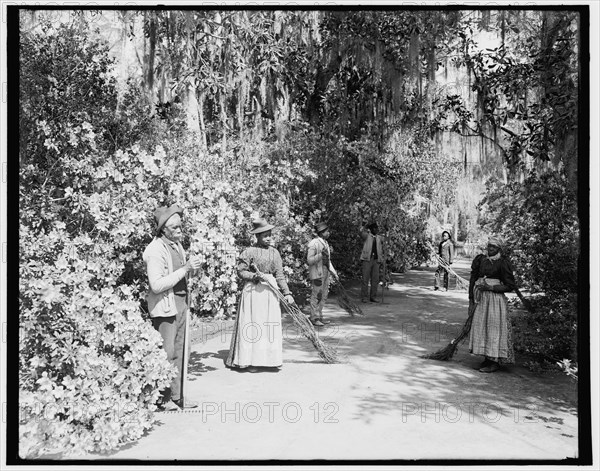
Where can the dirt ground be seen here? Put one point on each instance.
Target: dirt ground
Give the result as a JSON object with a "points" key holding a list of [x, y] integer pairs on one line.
{"points": [[382, 402]]}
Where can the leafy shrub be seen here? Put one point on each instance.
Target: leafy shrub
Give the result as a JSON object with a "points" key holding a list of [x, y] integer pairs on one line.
{"points": [[94, 166], [539, 220], [90, 367], [550, 333]]}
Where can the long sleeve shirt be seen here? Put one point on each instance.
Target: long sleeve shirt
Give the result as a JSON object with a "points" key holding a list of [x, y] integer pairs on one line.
{"points": [[446, 251], [500, 269], [267, 260]]}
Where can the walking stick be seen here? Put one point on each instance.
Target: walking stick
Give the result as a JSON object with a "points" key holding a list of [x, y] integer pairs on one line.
{"points": [[186, 353], [384, 280], [185, 356]]}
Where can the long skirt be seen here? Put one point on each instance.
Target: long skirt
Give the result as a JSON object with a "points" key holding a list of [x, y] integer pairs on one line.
{"points": [[257, 334], [491, 331]]}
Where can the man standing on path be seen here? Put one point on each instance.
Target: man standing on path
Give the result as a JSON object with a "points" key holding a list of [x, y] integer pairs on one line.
{"points": [[319, 270], [168, 299], [373, 253]]}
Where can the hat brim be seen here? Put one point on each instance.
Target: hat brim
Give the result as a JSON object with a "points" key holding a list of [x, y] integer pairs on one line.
{"points": [[174, 209], [266, 228]]}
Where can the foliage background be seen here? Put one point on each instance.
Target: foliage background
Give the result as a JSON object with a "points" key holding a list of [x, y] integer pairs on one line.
{"points": [[296, 116]]}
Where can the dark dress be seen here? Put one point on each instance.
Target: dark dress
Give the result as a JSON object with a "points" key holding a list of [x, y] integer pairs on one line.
{"points": [[491, 333]]}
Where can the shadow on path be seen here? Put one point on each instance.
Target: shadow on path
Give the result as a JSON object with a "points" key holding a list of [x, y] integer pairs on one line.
{"points": [[386, 344]]}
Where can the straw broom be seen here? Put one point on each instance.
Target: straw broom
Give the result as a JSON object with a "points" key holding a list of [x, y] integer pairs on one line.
{"points": [[344, 300], [326, 352], [449, 350], [446, 353], [461, 283]]}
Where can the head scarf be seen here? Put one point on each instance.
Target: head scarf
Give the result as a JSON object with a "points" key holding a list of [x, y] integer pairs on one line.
{"points": [[495, 240]]}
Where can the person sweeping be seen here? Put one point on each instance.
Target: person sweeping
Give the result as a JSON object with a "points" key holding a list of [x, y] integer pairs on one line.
{"points": [[320, 272], [487, 325], [257, 339]]}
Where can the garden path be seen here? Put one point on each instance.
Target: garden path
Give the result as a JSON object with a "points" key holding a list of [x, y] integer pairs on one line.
{"points": [[382, 402]]}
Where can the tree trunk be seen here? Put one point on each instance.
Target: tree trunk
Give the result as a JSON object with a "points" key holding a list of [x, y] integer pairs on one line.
{"points": [[190, 103]]}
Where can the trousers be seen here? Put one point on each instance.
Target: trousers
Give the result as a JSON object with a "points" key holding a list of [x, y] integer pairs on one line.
{"points": [[370, 272], [318, 296], [172, 330]]}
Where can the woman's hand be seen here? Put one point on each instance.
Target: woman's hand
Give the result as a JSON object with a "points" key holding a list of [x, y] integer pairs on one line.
{"points": [[258, 277], [289, 299], [485, 286]]}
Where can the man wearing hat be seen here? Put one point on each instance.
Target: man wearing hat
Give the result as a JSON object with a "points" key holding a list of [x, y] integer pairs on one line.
{"points": [[168, 301], [371, 256], [319, 268]]}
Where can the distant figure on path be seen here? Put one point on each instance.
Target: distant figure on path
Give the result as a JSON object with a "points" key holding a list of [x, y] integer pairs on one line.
{"points": [[257, 339], [491, 331], [168, 301], [319, 270], [373, 253], [446, 253]]}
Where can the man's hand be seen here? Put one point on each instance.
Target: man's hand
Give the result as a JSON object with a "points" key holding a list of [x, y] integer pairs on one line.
{"points": [[194, 263]]}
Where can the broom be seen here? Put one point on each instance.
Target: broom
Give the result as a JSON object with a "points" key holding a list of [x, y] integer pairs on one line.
{"points": [[461, 283], [344, 300], [326, 352], [449, 350]]}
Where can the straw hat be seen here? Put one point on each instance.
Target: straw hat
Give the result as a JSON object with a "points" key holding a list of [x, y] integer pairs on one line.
{"points": [[261, 225], [321, 227]]}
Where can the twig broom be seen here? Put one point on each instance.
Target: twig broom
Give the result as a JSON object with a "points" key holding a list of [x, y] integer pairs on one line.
{"points": [[344, 300], [326, 352], [461, 283], [449, 350]]}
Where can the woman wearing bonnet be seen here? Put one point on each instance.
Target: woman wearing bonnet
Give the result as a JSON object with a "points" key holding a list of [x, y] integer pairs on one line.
{"points": [[491, 333], [257, 336]]}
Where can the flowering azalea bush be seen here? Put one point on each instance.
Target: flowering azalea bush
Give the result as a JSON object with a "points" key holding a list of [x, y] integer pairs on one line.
{"points": [[90, 367], [94, 167]]}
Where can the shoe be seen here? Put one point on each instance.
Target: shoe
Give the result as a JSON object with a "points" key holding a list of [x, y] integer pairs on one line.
{"points": [[186, 404], [490, 368], [484, 363], [373, 300], [317, 323], [169, 406], [435, 288]]}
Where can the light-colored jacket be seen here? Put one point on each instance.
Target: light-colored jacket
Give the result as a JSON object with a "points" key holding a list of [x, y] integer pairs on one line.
{"points": [[314, 258], [162, 278], [368, 246]]}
